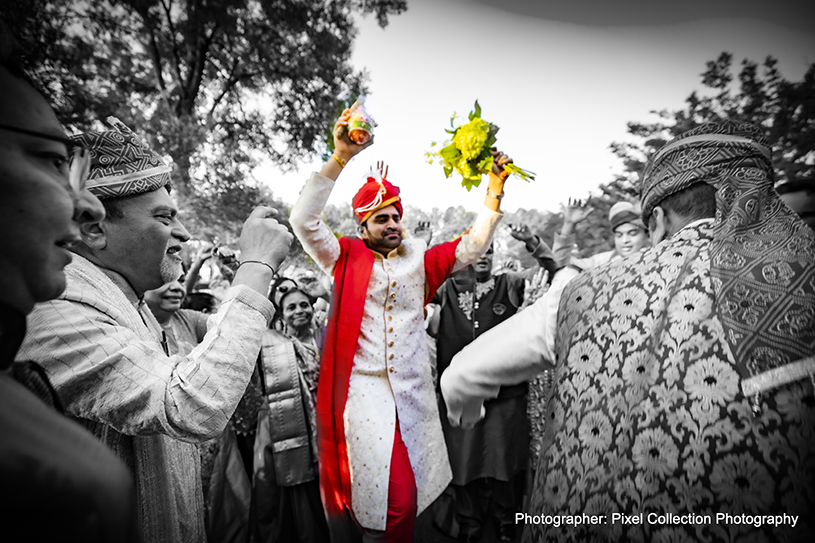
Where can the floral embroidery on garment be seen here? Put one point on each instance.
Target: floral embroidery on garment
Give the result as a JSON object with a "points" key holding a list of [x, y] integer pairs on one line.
{"points": [[465, 299], [647, 413]]}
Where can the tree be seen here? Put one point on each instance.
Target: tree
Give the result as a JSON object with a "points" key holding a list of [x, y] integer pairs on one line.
{"points": [[210, 82], [757, 94]]}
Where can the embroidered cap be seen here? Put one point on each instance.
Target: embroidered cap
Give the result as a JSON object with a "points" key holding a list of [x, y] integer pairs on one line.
{"points": [[702, 154], [121, 163]]}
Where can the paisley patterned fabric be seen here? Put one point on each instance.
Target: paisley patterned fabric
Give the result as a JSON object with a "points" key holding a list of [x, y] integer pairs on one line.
{"points": [[538, 394], [648, 416], [762, 254], [121, 163]]}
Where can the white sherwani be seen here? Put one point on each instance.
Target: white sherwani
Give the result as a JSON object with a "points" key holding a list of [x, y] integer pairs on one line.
{"points": [[391, 369]]}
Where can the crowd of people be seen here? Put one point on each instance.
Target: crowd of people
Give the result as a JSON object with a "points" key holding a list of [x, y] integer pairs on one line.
{"points": [[673, 374]]}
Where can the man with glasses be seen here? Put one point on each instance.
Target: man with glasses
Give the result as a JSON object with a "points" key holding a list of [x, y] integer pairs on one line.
{"points": [[103, 348], [58, 482]]}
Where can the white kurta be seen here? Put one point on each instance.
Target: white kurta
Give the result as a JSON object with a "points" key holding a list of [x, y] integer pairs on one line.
{"points": [[391, 369]]}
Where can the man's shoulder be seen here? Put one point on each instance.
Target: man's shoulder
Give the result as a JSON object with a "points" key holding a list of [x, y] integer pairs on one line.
{"points": [[88, 288]]}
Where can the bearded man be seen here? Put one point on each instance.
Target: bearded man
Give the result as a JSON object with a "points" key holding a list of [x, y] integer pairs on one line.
{"points": [[381, 449], [107, 355]]}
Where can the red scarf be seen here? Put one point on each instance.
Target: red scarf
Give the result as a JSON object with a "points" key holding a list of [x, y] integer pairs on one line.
{"points": [[351, 277]]}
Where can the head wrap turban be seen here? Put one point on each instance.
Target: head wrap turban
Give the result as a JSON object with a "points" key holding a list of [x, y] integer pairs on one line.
{"points": [[121, 163], [623, 212], [374, 195], [762, 256]]}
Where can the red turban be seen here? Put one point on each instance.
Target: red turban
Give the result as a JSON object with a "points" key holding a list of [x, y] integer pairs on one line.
{"points": [[375, 194]]}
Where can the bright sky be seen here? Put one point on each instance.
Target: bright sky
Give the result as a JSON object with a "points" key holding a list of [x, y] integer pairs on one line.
{"points": [[561, 92]]}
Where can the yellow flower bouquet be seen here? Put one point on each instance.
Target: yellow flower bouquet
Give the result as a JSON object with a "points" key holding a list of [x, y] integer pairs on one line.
{"points": [[468, 152]]}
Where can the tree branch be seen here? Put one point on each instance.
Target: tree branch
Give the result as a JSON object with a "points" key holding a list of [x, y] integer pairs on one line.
{"points": [[177, 60], [230, 84], [196, 72]]}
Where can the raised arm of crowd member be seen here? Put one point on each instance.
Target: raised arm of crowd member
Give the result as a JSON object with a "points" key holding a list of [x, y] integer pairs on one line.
{"points": [[538, 248], [574, 212], [510, 353], [203, 254]]}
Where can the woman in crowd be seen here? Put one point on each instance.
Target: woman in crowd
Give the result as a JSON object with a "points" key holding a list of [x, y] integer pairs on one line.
{"points": [[286, 503]]}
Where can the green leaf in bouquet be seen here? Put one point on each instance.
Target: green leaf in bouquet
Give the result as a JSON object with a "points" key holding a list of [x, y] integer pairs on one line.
{"points": [[491, 139], [476, 112], [470, 182], [485, 166], [448, 169], [450, 153], [526, 175]]}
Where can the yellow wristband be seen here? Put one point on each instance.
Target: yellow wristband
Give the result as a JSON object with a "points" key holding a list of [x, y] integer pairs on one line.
{"points": [[340, 161]]}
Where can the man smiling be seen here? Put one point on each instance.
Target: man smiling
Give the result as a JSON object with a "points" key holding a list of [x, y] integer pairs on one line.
{"points": [[381, 448], [630, 235], [103, 349]]}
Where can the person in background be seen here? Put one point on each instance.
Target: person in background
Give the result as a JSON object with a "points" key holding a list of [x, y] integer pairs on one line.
{"points": [[59, 483], [281, 286], [286, 490], [630, 234], [489, 461], [684, 373], [182, 329]]}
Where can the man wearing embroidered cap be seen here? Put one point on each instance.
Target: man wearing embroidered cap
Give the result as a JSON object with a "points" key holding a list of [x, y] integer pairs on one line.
{"points": [[107, 356], [381, 448], [685, 372]]}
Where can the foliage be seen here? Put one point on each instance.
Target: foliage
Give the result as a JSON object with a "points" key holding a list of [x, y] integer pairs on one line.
{"points": [[469, 151], [756, 94], [212, 83]]}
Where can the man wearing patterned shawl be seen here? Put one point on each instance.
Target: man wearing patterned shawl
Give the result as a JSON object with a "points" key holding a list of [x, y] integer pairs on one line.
{"points": [[106, 353], [683, 373], [381, 449]]}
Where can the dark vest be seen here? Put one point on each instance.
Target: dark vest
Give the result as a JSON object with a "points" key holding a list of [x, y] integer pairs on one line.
{"points": [[456, 330]]}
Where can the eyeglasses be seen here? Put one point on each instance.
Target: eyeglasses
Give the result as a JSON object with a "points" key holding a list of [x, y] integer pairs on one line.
{"points": [[80, 156]]}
